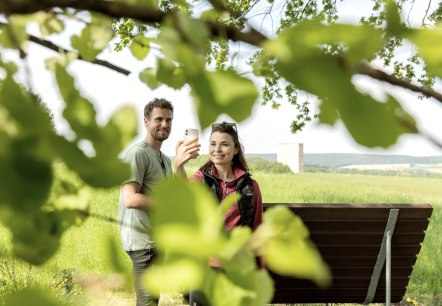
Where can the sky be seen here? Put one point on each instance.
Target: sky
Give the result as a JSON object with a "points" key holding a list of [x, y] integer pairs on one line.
{"points": [[261, 133]]}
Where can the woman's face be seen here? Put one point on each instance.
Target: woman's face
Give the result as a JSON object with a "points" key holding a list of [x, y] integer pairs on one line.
{"points": [[222, 148]]}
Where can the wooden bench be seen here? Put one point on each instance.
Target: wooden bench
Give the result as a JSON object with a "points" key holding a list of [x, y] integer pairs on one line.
{"points": [[358, 241]]}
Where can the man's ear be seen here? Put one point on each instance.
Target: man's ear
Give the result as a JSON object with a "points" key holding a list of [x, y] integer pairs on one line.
{"points": [[145, 121]]}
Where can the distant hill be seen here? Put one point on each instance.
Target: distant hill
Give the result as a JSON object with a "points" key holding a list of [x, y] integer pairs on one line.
{"points": [[335, 160]]}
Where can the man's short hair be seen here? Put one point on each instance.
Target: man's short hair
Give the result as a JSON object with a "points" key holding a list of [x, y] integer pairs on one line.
{"points": [[157, 102]]}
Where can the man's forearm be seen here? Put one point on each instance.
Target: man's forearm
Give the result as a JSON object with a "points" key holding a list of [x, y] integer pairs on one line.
{"points": [[137, 201]]}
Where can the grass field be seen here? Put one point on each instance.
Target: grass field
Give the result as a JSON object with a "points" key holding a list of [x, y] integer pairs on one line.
{"points": [[80, 250]]}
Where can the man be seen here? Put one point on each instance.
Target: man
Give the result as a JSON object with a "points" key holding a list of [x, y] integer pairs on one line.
{"points": [[148, 166]]}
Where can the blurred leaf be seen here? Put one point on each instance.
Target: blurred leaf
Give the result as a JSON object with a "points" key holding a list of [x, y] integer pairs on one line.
{"points": [[225, 292], [234, 255], [170, 74], [121, 126], [327, 78], [66, 196], [360, 42], [193, 228], [228, 201], [429, 44], [93, 38], [394, 23], [79, 112], [174, 275], [212, 98], [286, 248], [13, 35], [24, 159], [62, 59], [140, 47], [49, 23], [327, 113], [104, 169], [101, 171], [36, 235], [32, 296], [149, 77], [195, 33]]}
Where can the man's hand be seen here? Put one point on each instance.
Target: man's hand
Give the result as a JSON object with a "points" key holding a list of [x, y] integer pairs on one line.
{"points": [[185, 151]]}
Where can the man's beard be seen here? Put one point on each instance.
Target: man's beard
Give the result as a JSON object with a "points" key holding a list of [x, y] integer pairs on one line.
{"points": [[158, 137]]}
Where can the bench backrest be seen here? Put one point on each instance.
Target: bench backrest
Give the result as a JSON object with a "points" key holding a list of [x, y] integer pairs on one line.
{"points": [[349, 237]]}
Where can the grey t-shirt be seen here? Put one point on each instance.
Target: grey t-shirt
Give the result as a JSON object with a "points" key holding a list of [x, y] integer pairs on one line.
{"points": [[146, 170]]}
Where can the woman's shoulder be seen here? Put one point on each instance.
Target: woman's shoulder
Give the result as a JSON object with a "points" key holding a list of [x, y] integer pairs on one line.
{"points": [[197, 176]]}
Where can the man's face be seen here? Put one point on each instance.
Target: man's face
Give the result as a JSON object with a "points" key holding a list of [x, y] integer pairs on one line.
{"points": [[159, 123]]}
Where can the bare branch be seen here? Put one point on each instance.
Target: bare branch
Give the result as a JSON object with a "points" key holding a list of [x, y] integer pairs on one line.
{"points": [[394, 80]]}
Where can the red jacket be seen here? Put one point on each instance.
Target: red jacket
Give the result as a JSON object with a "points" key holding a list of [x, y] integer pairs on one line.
{"points": [[232, 218]]}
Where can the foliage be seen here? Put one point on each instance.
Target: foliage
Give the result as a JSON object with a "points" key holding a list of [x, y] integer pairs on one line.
{"points": [[194, 234], [310, 52]]}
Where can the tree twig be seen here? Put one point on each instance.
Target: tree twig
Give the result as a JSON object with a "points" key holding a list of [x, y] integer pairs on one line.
{"points": [[394, 80]]}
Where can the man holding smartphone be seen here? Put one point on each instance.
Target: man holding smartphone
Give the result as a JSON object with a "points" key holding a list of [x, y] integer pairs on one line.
{"points": [[148, 166]]}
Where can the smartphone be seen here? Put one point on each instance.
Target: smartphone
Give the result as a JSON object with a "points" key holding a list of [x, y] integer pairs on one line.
{"points": [[191, 135]]}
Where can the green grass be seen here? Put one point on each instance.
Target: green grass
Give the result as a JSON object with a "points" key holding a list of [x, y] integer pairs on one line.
{"points": [[80, 248]]}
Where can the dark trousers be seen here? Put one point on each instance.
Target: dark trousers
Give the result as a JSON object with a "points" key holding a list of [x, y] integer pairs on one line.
{"points": [[197, 298], [141, 259]]}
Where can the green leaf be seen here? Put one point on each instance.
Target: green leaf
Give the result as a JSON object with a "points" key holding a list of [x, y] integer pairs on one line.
{"points": [[195, 32], [360, 41], [149, 76], [394, 23], [212, 97], [49, 23], [67, 196], [194, 226], [429, 44], [13, 35], [79, 112], [170, 74], [225, 292], [327, 78], [122, 126], [179, 275], [93, 38], [32, 296], [286, 248], [140, 47], [24, 159], [327, 113], [102, 171], [36, 235]]}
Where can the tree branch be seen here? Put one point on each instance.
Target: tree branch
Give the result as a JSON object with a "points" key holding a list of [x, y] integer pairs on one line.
{"points": [[54, 47], [117, 10], [394, 80], [50, 45]]}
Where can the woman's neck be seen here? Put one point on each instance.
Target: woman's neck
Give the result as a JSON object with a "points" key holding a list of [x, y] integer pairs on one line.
{"points": [[225, 172]]}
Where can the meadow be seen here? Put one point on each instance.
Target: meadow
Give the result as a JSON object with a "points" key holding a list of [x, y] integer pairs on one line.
{"points": [[81, 257]]}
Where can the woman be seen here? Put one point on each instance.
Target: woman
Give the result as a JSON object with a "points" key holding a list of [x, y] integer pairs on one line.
{"points": [[227, 172]]}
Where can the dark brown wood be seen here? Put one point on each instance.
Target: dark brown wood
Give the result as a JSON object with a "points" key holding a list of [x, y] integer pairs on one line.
{"points": [[367, 239], [349, 238]]}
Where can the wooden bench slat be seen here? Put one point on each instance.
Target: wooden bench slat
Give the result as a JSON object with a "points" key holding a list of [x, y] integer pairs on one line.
{"points": [[335, 293], [365, 261], [364, 250], [339, 282], [363, 226], [356, 211], [367, 239], [325, 299]]}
